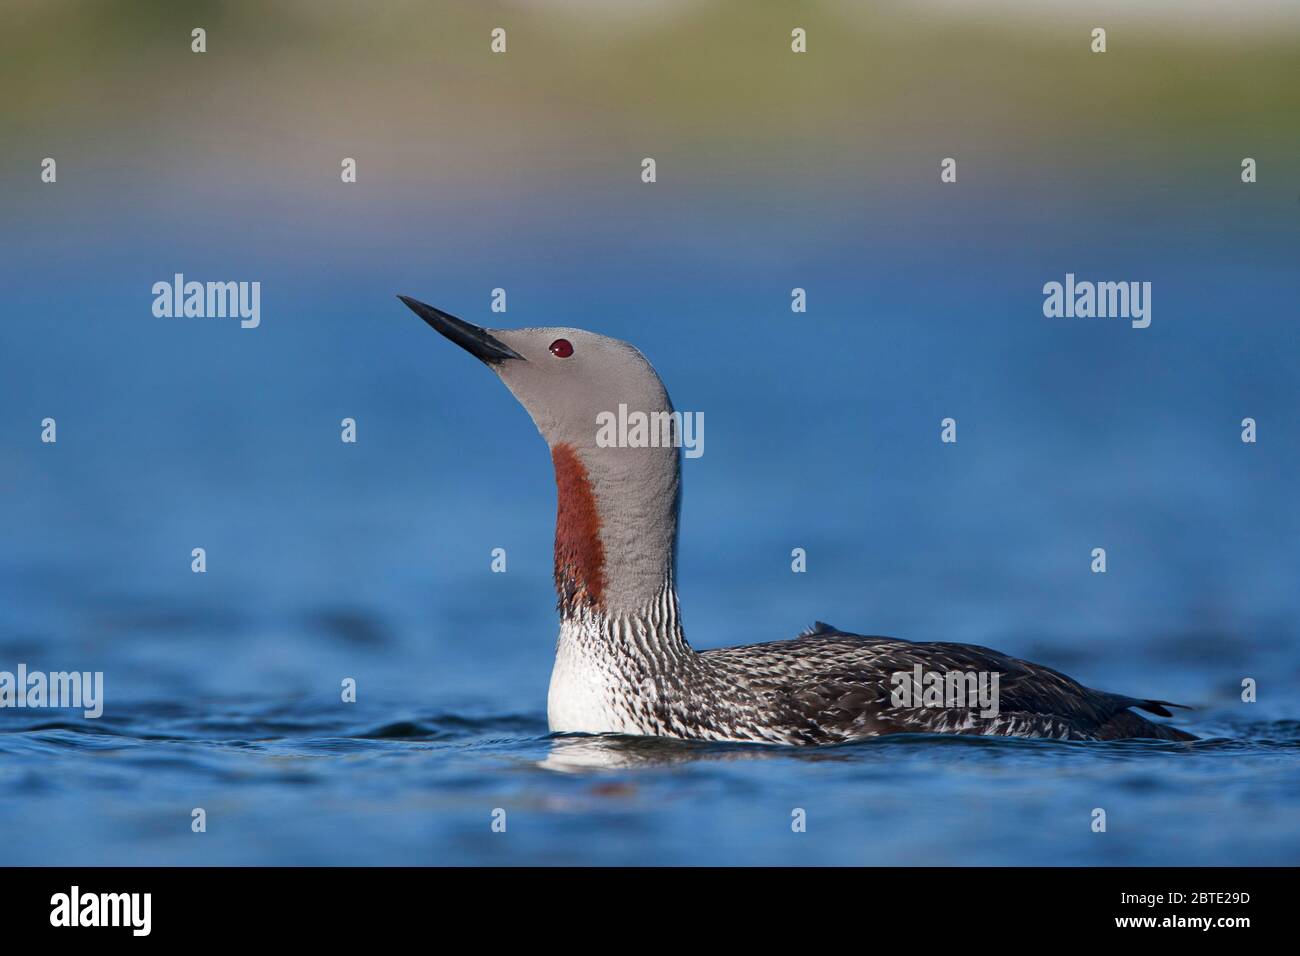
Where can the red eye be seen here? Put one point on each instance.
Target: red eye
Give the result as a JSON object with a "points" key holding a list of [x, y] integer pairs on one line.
{"points": [[561, 348]]}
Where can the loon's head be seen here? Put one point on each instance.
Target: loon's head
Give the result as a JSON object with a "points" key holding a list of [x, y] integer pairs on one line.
{"points": [[617, 487], [567, 379]]}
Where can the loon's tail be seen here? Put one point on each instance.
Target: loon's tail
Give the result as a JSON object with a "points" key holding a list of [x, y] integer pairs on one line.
{"points": [[1157, 707], [1126, 724]]}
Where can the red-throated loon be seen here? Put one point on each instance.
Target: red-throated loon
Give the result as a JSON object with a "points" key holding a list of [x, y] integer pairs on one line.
{"points": [[622, 663]]}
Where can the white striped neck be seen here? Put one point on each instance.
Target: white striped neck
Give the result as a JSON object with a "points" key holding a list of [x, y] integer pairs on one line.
{"points": [[612, 668]]}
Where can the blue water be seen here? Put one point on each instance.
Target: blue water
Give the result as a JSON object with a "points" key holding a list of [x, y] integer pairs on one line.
{"points": [[372, 561], [302, 783]]}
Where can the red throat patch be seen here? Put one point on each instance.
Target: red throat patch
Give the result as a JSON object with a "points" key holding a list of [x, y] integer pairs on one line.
{"points": [[579, 555]]}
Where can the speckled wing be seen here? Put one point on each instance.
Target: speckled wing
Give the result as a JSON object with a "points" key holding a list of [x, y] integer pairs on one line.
{"points": [[831, 685]]}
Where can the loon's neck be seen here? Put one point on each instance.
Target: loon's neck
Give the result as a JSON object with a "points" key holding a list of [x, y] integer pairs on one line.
{"points": [[647, 641], [615, 555], [616, 532]]}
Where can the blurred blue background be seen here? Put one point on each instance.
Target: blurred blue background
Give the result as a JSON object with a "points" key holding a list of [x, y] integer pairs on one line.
{"points": [[328, 560]]}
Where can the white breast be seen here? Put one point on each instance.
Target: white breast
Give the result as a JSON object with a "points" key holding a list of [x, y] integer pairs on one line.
{"points": [[585, 690]]}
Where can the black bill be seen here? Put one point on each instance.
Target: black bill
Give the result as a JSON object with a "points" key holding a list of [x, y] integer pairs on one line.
{"points": [[474, 340]]}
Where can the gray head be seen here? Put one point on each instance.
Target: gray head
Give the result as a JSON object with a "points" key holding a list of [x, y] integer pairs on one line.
{"points": [[617, 487]]}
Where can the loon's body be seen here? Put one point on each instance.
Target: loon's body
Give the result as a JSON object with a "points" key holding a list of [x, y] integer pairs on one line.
{"points": [[826, 686], [623, 664]]}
